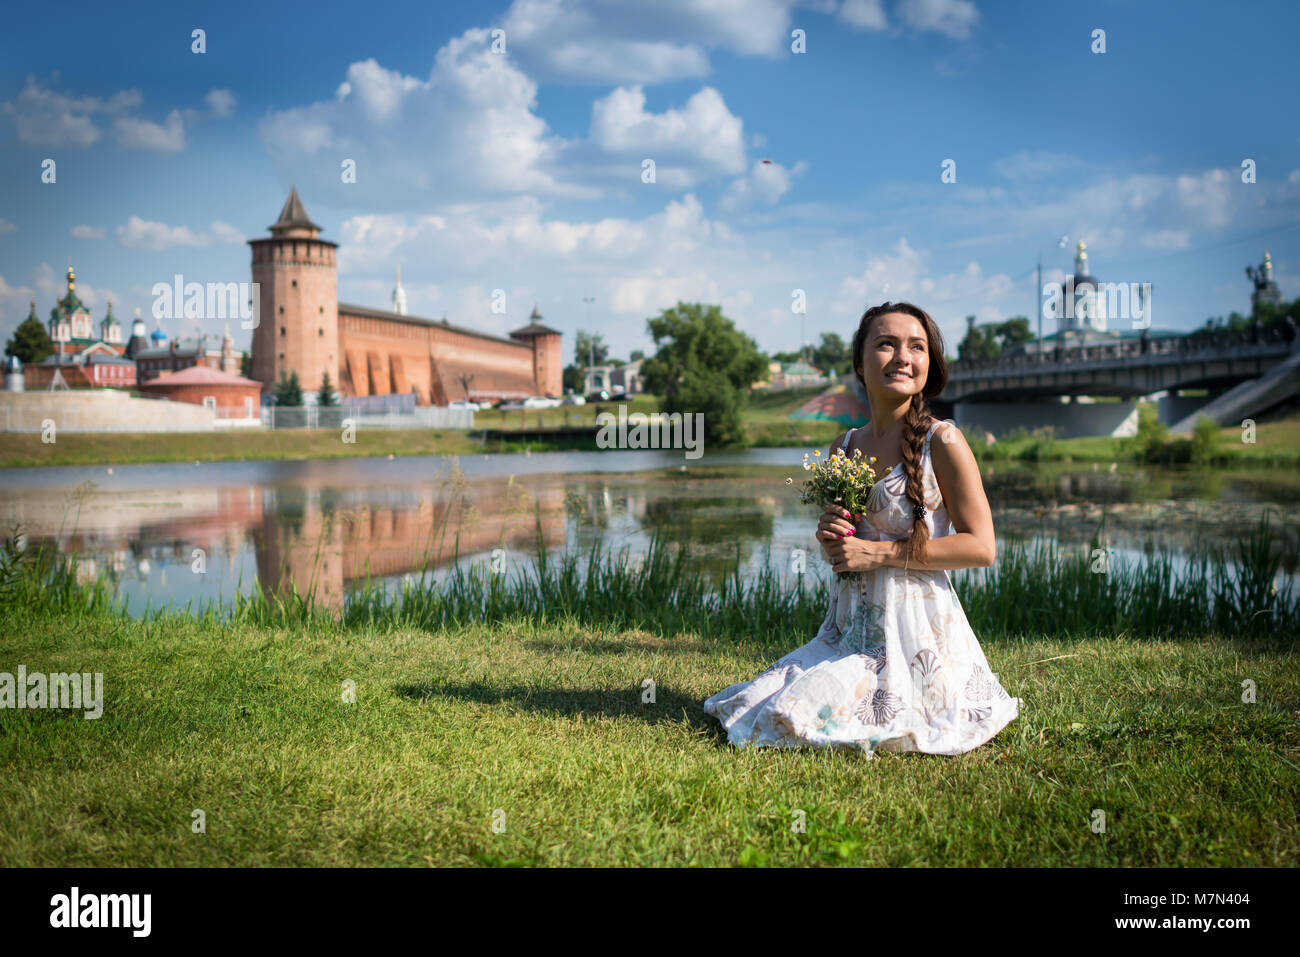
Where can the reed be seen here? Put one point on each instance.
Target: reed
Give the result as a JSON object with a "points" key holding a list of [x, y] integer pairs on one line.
{"points": [[1032, 590], [1044, 590]]}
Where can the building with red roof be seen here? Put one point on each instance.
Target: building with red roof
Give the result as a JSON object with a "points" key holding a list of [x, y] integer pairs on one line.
{"points": [[232, 396]]}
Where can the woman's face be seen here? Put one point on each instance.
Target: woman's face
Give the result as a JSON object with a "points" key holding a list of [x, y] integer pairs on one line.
{"points": [[896, 355]]}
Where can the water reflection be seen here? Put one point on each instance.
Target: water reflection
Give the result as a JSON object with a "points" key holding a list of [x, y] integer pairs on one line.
{"points": [[325, 529]]}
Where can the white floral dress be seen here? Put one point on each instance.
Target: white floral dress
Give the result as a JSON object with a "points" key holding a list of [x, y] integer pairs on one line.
{"points": [[895, 665]]}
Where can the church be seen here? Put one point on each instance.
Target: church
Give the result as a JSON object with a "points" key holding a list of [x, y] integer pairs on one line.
{"points": [[303, 328]]}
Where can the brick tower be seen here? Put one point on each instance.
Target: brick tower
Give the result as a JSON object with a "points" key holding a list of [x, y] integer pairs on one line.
{"points": [[548, 365], [298, 323]]}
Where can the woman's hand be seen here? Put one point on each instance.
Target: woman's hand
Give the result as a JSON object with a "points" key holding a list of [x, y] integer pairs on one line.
{"points": [[846, 553], [835, 524]]}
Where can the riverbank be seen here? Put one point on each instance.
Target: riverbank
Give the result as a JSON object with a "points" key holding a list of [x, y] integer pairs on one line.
{"points": [[26, 450], [1276, 444]]}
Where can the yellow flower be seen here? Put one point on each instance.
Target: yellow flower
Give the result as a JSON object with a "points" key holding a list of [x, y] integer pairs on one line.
{"points": [[817, 451]]}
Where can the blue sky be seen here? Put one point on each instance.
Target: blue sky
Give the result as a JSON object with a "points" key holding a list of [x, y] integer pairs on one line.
{"points": [[522, 170]]}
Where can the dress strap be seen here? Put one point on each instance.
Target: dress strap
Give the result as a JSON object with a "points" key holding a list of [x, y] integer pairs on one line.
{"points": [[844, 446]]}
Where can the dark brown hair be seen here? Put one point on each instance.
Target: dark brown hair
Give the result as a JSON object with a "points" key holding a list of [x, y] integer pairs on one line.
{"points": [[917, 420]]}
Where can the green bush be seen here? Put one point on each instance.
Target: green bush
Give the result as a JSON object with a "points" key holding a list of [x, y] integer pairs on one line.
{"points": [[1148, 445], [1205, 441], [1042, 441]]}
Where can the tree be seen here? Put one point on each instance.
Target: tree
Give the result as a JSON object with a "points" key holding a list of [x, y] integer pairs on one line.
{"points": [[287, 391], [31, 342], [703, 364], [787, 357], [832, 354], [327, 397], [636, 354], [573, 379], [246, 365], [589, 347], [993, 338]]}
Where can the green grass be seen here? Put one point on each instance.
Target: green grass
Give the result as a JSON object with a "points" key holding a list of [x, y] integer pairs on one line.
{"points": [[546, 724], [1276, 443], [523, 695], [18, 450]]}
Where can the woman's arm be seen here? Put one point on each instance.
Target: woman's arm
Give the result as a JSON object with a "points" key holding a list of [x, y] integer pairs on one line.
{"points": [[972, 544]]}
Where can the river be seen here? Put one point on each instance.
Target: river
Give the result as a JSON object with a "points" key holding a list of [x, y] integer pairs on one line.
{"points": [[189, 534]]}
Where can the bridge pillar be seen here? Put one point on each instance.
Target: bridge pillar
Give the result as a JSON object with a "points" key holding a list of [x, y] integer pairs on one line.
{"points": [[1071, 420], [1174, 408]]}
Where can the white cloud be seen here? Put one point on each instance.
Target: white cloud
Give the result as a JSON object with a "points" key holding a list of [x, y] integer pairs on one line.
{"points": [[144, 234], [43, 117], [468, 130], [48, 285], [1208, 195], [379, 91], [1036, 164], [622, 41], [952, 18], [225, 233], [10, 296], [136, 134], [87, 232], [1171, 239], [766, 182], [220, 102], [902, 276], [154, 236], [864, 14], [703, 132], [6, 227], [629, 265]]}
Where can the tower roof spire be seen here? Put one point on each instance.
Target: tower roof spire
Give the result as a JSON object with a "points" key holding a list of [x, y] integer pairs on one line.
{"points": [[293, 216]]}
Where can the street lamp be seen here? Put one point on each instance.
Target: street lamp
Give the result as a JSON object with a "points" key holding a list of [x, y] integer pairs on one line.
{"points": [[591, 340], [1038, 292]]}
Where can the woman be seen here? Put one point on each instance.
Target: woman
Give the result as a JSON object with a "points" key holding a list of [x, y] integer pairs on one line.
{"points": [[895, 665]]}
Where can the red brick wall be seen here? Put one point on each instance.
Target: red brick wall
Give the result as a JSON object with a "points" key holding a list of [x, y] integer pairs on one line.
{"points": [[227, 396], [378, 356]]}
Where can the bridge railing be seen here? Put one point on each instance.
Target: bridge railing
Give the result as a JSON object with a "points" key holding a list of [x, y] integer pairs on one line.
{"points": [[1273, 342]]}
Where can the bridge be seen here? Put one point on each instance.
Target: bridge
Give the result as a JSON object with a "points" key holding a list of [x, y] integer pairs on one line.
{"points": [[1243, 373]]}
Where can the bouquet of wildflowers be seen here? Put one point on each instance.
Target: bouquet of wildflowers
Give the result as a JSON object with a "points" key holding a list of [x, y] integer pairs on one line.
{"points": [[838, 481]]}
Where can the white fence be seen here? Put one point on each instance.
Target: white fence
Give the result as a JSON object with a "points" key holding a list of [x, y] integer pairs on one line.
{"points": [[99, 410], [335, 417]]}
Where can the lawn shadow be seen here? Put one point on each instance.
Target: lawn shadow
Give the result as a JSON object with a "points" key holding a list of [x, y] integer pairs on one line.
{"points": [[668, 705], [615, 646]]}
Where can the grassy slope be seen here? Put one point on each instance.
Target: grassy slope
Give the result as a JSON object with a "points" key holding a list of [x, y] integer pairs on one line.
{"points": [[546, 724]]}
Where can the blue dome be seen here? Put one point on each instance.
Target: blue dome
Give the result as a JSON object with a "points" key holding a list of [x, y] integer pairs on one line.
{"points": [[158, 336]]}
